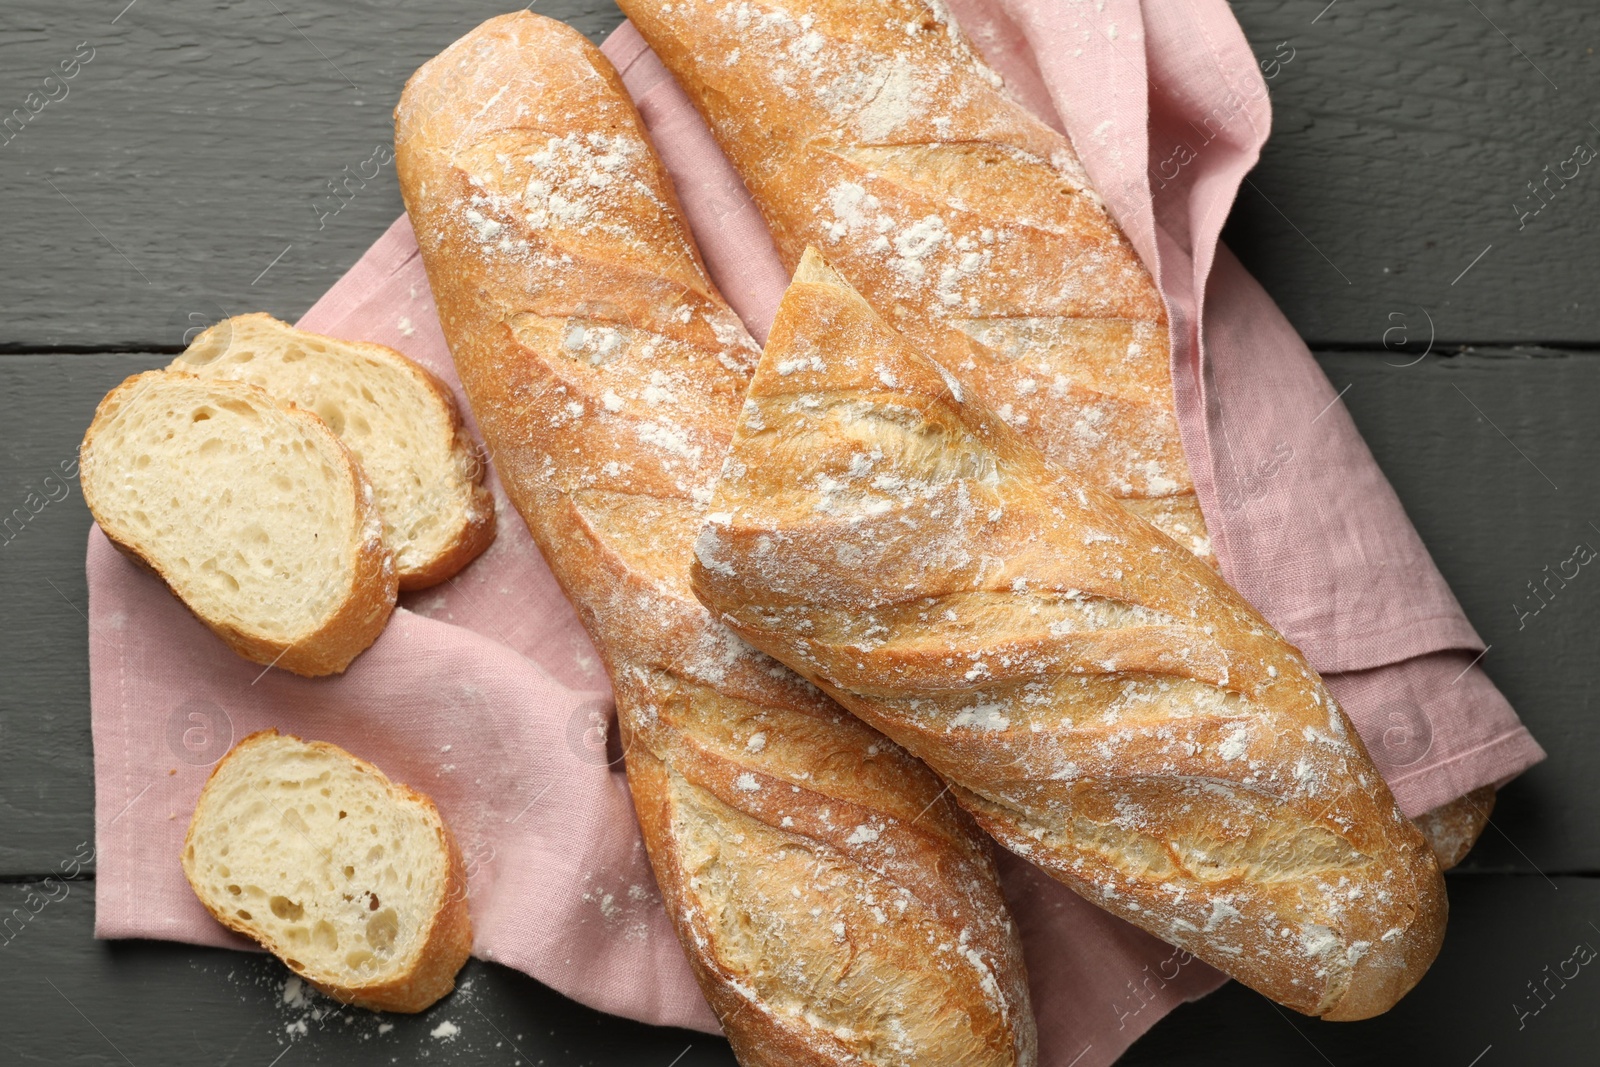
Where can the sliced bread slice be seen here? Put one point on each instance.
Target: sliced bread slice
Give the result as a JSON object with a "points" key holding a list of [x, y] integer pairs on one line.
{"points": [[399, 420], [352, 880], [250, 510]]}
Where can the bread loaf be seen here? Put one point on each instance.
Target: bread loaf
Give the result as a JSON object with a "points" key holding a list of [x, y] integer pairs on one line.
{"points": [[1096, 696], [400, 422], [835, 905], [352, 880], [251, 511], [873, 131]]}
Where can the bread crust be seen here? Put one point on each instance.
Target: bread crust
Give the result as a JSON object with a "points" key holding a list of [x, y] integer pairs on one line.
{"points": [[807, 863], [874, 131], [441, 952], [359, 617], [789, 143], [1453, 828], [796, 149], [1098, 699], [476, 528]]}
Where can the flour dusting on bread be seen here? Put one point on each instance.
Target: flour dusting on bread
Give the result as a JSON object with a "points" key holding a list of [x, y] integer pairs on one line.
{"points": [[1095, 695], [835, 904], [875, 132]]}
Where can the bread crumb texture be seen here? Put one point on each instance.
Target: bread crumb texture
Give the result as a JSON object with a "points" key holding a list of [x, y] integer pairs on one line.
{"points": [[345, 876], [400, 422], [253, 513]]}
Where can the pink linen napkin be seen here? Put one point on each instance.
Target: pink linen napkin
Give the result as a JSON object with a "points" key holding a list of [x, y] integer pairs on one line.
{"points": [[486, 694]]}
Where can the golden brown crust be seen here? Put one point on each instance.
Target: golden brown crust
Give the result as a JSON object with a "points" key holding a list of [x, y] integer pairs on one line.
{"points": [[1082, 374], [1097, 697], [445, 947], [478, 528], [345, 632], [835, 905], [873, 131]]}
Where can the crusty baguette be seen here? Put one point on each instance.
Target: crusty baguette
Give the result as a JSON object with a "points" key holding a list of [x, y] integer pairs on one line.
{"points": [[400, 421], [251, 511], [1096, 696], [835, 905], [352, 880], [873, 131]]}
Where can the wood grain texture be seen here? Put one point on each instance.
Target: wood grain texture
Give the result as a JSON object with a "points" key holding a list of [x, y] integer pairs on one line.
{"points": [[195, 147], [1403, 132], [201, 137], [46, 768], [82, 1001], [179, 1005]]}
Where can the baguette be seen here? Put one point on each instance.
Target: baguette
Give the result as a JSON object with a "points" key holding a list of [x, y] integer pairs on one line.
{"points": [[400, 422], [1097, 697], [251, 511], [873, 131], [834, 904], [352, 880]]}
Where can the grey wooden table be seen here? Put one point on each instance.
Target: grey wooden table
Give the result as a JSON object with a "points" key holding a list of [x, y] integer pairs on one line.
{"points": [[183, 169]]}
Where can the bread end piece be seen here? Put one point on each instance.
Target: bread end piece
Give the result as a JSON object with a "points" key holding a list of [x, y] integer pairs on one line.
{"points": [[1453, 828], [310, 927], [1391, 969]]}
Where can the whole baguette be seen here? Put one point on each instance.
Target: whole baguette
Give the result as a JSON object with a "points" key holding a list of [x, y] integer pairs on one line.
{"points": [[874, 131], [834, 904], [1097, 697]]}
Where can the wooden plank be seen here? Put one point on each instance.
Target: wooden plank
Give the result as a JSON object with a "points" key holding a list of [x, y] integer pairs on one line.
{"points": [[1468, 442], [46, 766], [184, 175], [1491, 519], [71, 999], [186, 169], [1404, 133], [197, 144]]}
